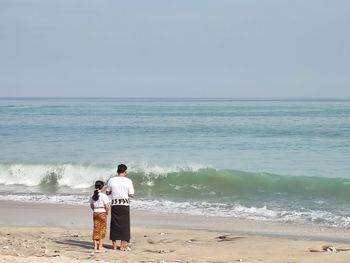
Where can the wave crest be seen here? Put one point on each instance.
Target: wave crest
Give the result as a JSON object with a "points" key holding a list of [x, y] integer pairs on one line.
{"points": [[193, 182]]}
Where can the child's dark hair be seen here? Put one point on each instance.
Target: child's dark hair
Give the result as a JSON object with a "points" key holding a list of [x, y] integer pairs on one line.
{"points": [[121, 168], [98, 186]]}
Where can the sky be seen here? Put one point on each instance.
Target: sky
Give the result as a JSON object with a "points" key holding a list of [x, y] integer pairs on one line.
{"points": [[182, 48]]}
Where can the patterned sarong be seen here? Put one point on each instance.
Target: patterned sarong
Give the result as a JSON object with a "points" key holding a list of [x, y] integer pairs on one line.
{"points": [[100, 225]]}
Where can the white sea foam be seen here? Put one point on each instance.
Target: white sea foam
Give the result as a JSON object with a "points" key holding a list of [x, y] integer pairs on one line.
{"points": [[50, 199], [74, 176], [80, 176], [202, 208], [155, 171]]}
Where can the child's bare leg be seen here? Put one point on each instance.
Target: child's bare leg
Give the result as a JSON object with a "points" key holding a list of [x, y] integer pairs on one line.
{"points": [[100, 246], [95, 245]]}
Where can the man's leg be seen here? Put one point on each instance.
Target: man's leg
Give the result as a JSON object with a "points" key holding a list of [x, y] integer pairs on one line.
{"points": [[123, 245], [114, 244]]}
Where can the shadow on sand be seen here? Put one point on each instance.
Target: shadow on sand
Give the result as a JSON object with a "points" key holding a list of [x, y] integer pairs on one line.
{"points": [[81, 243]]}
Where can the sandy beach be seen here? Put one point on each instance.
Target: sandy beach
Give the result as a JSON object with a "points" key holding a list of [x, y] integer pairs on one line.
{"points": [[62, 233]]}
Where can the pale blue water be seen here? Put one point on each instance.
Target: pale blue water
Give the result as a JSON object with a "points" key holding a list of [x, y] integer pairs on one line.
{"points": [[284, 160]]}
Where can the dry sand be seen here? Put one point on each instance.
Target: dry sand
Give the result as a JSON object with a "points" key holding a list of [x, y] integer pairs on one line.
{"points": [[61, 233]]}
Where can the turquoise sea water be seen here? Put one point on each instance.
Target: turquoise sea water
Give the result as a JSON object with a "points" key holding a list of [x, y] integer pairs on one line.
{"points": [[272, 159]]}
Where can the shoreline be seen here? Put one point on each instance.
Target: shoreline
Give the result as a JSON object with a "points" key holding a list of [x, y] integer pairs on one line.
{"points": [[29, 214]]}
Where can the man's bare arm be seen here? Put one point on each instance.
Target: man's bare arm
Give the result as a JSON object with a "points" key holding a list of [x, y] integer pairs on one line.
{"points": [[107, 208]]}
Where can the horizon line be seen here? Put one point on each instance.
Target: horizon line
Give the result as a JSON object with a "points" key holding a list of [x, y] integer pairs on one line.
{"points": [[177, 97]]}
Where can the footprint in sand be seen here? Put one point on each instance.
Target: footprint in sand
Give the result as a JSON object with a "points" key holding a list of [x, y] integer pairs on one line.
{"points": [[161, 241]]}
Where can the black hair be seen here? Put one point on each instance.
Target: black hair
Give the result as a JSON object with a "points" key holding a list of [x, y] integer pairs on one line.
{"points": [[122, 168], [98, 186]]}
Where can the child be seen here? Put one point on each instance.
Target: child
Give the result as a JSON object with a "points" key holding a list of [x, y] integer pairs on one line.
{"points": [[99, 203]]}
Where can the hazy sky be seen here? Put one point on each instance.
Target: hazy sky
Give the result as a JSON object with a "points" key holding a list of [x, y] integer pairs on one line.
{"points": [[247, 48]]}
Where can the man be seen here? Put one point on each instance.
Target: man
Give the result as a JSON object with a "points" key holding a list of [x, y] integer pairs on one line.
{"points": [[120, 188]]}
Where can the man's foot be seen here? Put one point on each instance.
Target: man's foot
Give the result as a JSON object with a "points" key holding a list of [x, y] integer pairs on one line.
{"points": [[114, 245], [123, 245]]}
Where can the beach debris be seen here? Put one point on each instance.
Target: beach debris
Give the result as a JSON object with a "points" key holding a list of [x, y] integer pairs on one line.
{"points": [[128, 248], [74, 235], [316, 250], [189, 241], [5, 247], [160, 251], [343, 249], [240, 260], [162, 234], [228, 238], [329, 248]]}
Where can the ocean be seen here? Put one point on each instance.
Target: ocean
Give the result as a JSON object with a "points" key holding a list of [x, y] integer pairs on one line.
{"points": [[282, 160]]}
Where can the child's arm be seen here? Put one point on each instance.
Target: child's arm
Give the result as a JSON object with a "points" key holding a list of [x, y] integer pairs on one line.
{"points": [[91, 203], [106, 203]]}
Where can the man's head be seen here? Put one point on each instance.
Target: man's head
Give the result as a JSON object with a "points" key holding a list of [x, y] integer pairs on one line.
{"points": [[122, 169]]}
